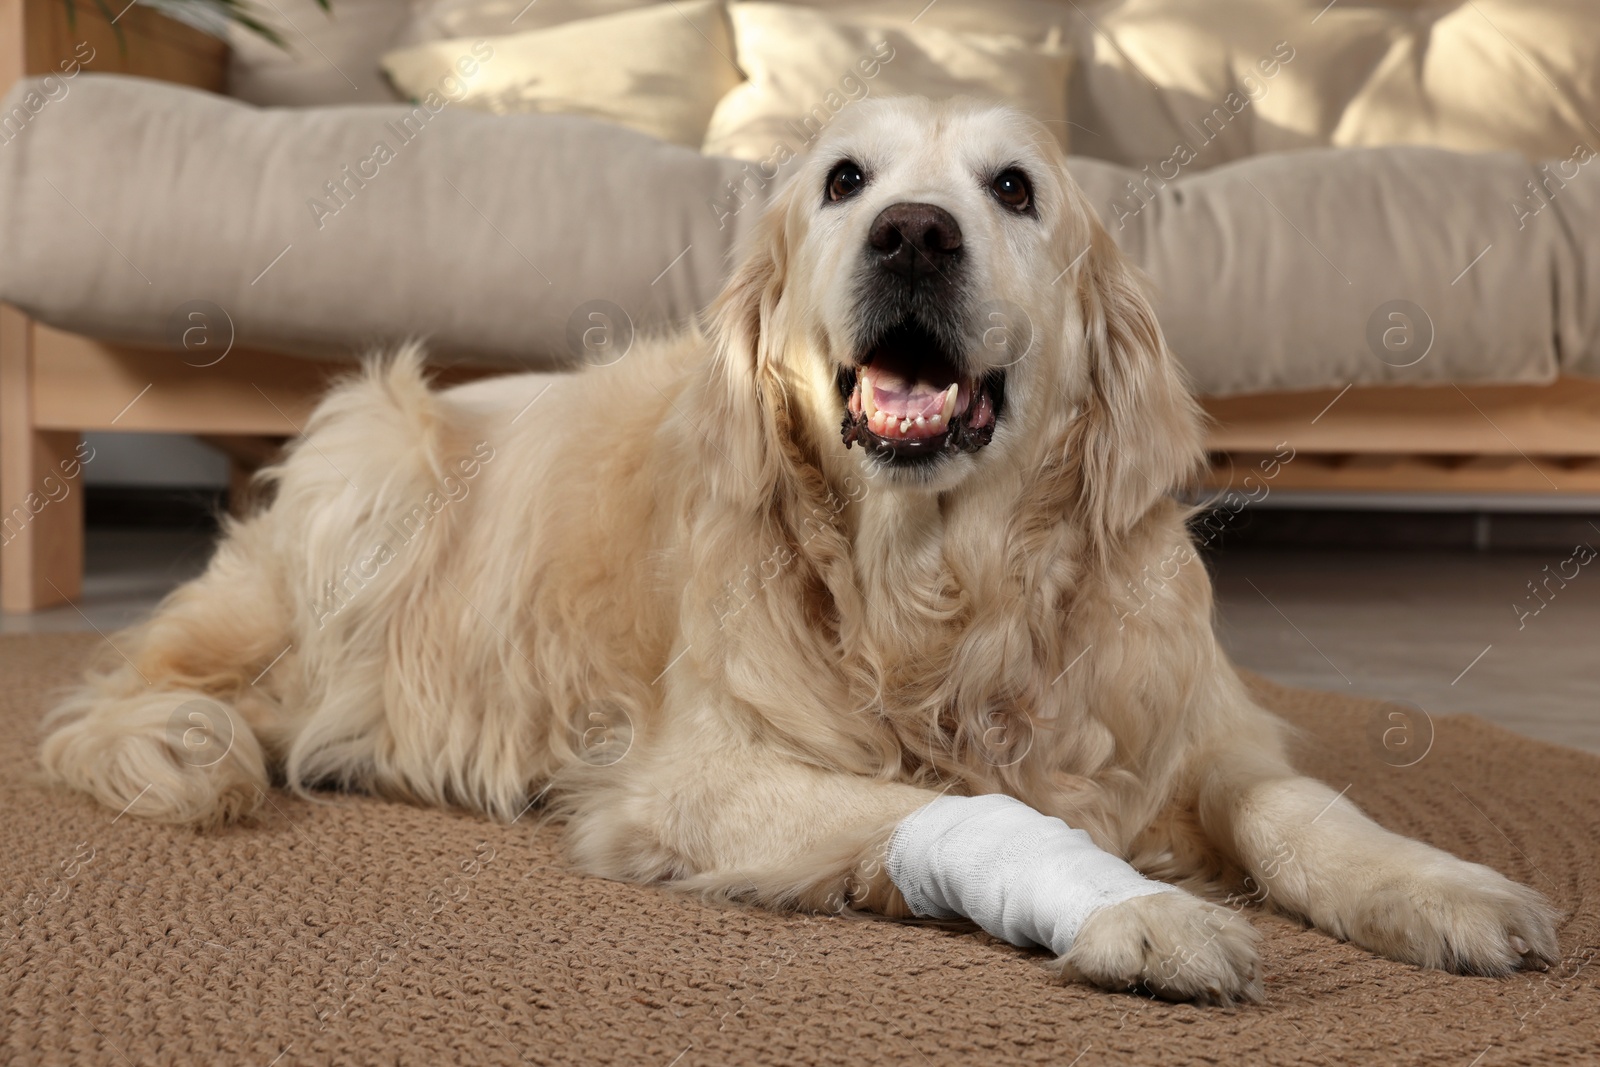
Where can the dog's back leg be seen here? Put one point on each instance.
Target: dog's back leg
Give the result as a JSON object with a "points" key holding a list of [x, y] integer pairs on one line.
{"points": [[174, 727]]}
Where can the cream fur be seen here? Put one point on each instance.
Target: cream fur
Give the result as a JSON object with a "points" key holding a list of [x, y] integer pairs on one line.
{"points": [[783, 648]]}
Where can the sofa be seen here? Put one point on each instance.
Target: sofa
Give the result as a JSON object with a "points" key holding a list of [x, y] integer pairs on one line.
{"points": [[1372, 232]]}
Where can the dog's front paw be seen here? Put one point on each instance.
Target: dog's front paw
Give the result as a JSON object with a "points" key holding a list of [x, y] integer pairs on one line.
{"points": [[1456, 916], [1173, 945]]}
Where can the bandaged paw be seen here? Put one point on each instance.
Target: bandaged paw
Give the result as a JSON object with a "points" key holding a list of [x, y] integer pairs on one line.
{"points": [[1025, 877]]}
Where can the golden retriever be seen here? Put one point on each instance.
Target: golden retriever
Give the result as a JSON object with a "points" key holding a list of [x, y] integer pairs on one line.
{"points": [[738, 604]]}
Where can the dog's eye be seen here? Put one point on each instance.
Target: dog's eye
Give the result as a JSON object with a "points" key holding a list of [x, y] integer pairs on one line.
{"points": [[1011, 188], [845, 180]]}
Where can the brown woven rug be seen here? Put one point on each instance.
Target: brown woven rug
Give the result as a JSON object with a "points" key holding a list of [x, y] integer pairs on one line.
{"points": [[356, 932]]}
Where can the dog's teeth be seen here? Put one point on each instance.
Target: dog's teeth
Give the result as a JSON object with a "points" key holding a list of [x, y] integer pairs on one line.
{"points": [[950, 402], [936, 422], [868, 408], [905, 424], [922, 423]]}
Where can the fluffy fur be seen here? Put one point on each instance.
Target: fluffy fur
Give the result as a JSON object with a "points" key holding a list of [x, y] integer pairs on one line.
{"points": [[732, 654]]}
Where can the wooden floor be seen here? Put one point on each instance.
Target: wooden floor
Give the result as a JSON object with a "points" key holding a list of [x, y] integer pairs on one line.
{"points": [[126, 571], [1443, 631]]}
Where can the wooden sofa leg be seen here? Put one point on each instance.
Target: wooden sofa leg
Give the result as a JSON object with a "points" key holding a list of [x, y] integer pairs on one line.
{"points": [[247, 453], [41, 487]]}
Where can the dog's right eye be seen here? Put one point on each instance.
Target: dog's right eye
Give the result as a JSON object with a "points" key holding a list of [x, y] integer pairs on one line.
{"points": [[845, 180]]}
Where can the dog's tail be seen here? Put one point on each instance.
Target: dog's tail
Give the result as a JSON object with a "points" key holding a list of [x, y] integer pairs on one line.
{"points": [[187, 711]]}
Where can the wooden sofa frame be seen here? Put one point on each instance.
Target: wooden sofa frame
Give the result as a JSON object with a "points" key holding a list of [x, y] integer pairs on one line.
{"points": [[54, 385]]}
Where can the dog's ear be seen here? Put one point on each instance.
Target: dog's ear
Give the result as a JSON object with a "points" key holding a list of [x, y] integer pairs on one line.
{"points": [[742, 325], [1139, 432]]}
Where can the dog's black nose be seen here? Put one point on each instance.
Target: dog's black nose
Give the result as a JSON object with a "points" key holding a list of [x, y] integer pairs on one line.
{"points": [[915, 239]]}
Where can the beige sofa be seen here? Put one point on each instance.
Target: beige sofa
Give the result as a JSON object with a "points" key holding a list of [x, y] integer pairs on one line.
{"points": [[166, 267]]}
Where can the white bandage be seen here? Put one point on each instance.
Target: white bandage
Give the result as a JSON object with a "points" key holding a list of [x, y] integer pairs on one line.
{"points": [[1025, 877]]}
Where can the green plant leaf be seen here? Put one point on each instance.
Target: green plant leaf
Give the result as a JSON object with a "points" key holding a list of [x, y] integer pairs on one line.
{"points": [[261, 29], [243, 12], [111, 19]]}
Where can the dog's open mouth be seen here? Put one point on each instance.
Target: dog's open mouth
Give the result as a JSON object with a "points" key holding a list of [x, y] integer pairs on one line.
{"points": [[906, 398]]}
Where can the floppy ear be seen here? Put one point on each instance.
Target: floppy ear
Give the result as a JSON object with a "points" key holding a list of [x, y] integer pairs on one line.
{"points": [[762, 461], [1139, 433], [743, 385]]}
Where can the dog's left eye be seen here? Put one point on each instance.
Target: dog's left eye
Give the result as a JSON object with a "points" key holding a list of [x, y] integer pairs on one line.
{"points": [[1012, 188], [845, 180]]}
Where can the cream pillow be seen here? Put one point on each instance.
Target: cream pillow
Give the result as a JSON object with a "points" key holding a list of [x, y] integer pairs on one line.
{"points": [[1219, 81], [804, 67], [433, 20], [659, 70], [1032, 20]]}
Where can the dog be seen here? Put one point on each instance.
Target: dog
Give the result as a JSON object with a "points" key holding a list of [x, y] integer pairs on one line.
{"points": [[737, 605]]}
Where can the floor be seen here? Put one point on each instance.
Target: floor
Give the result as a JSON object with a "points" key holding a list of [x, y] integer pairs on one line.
{"points": [[1448, 632], [1511, 637], [126, 571]]}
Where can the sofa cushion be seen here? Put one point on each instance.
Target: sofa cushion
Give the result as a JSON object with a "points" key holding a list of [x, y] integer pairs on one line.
{"points": [[1277, 272], [1325, 267], [1224, 79], [1470, 75], [437, 20], [433, 20], [793, 93], [660, 70], [323, 230]]}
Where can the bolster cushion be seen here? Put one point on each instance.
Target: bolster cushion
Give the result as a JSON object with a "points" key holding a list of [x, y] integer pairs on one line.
{"points": [[323, 231]]}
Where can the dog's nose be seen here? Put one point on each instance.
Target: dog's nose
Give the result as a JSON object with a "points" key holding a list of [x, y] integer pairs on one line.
{"points": [[915, 239]]}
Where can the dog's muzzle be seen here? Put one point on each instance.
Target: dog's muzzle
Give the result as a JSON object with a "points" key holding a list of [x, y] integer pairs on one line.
{"points": [[907, 395]]}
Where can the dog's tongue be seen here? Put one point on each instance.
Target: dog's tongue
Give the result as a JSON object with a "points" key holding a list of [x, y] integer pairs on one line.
{"points": [[899, 407], [906, 399]]}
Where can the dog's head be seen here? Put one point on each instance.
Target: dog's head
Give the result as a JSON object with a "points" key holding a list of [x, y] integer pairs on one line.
{"points": [[930, 296]]}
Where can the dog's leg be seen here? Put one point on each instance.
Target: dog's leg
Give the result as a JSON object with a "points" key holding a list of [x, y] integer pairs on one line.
{"points": [[1315, 855], [720, 811], [1031, 879], [746, 826], [169, 730], [1171, 945]]}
